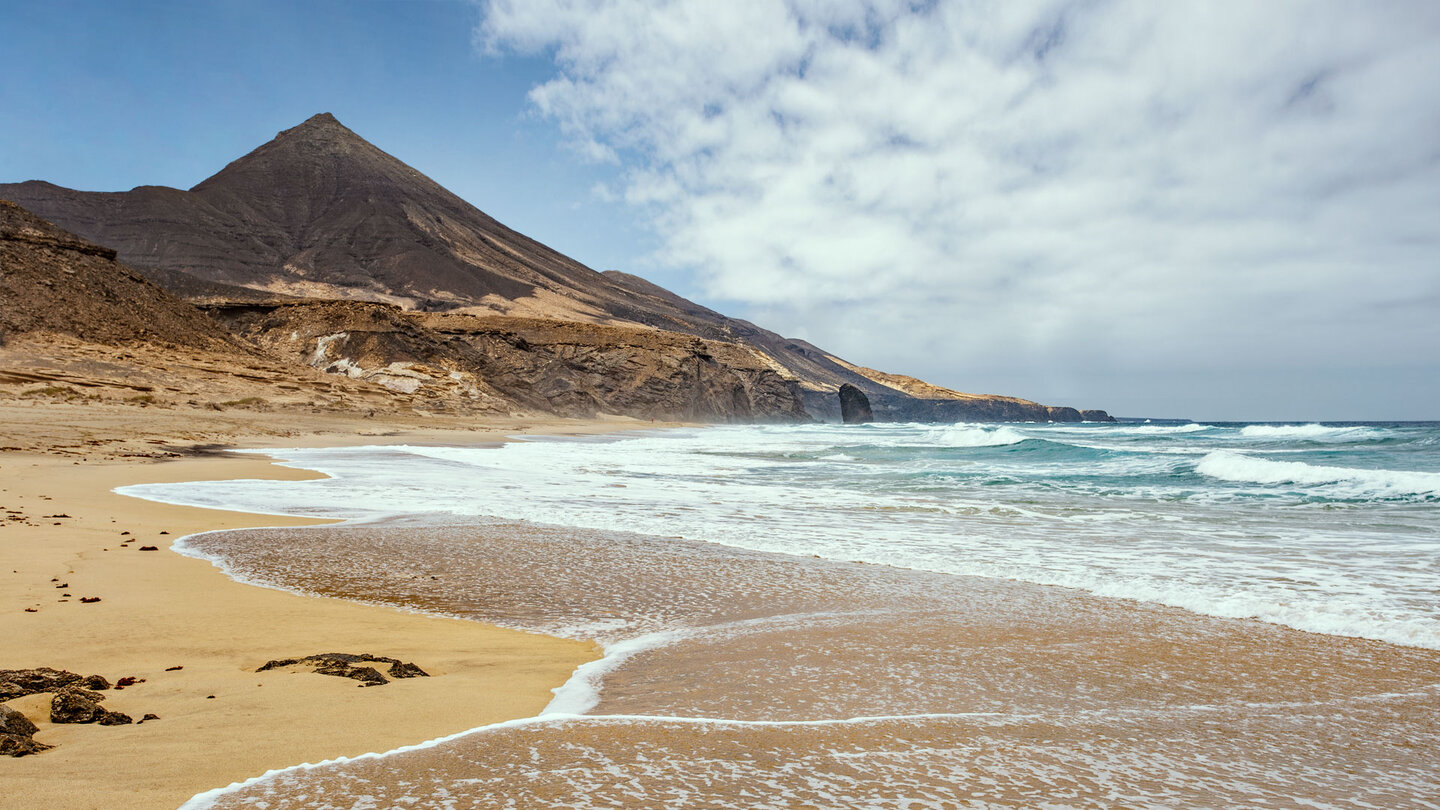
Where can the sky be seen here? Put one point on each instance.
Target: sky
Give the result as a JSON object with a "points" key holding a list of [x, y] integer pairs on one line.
{"points": [[1213, 210]]}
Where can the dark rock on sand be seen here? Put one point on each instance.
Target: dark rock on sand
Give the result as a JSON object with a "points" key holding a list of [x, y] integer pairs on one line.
{"points": [[13, 746], [17, 734], [21, 682], [14, 723], [343, 665], [404, 670], [109, 718], [75, 705], [854, 405]]}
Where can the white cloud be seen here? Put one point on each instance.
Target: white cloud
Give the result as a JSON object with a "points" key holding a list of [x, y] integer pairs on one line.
{"points": [[1098, 188]]}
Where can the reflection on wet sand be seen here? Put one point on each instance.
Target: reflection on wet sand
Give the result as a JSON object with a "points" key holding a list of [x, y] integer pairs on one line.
{"points": [[754, 668]]}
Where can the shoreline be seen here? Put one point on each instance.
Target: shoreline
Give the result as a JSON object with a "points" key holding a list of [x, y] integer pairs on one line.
{"points": [[1000, 678], [168, 609], [1016, 660]]}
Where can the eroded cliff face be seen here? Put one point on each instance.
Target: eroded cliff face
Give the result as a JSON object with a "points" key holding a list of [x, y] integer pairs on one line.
{"points": [[370, 342], [580, 369], [506, 364]]}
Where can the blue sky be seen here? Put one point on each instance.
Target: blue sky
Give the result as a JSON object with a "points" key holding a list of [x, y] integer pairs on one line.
{"points": [[106, 96], [1206, 209]]}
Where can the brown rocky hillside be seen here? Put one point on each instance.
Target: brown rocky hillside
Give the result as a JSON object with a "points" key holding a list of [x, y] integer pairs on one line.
{"points": [[320, 213], [76, 324]]}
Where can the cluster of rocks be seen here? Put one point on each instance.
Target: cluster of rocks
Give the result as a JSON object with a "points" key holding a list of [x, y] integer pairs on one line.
{"points": [[76, 699], [343, 665]]}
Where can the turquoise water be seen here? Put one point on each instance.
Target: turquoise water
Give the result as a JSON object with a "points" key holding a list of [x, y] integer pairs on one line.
{"points": [[1329, 528]]}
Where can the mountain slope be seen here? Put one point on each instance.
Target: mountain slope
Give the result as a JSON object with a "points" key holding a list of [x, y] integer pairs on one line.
{"points": [[318, 212], [77, 326], [54, 282]]}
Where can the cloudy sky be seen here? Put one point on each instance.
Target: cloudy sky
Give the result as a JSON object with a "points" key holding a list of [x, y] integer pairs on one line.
{"points": [[1213, 209]]}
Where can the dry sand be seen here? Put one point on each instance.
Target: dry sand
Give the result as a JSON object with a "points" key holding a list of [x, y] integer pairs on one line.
{"points": [[160, 610]]}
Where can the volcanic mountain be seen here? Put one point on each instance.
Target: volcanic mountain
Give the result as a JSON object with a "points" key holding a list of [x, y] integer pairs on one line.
{"points": [[275, 240]]}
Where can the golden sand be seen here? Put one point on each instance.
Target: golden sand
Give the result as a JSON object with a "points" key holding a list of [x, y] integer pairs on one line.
{"points": [[159, 610]]}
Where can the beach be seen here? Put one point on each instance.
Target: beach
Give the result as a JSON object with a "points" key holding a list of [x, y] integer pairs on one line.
{"points": [[159, 610], [708, 672]]}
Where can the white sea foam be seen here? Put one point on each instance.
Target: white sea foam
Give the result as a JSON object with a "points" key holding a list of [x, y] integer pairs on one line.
{"points": [[970, 436], [1228, 465], [1146, 522], [581, 692], [1311, 432], [1162, 429]]}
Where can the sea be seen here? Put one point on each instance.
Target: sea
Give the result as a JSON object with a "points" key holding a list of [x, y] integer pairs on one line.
{"points": [[1146, 613]]}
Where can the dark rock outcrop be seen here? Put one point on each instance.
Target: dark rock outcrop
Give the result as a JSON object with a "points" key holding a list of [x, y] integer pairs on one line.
{"points": [[75, 705], [17, 734], [21, 682], [854, 406], [1096, 416], [343, 665], [896, 407], [13, 722]]}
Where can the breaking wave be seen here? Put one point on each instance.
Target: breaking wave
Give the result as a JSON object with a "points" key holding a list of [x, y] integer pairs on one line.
{"points": [[1228, 465], [968, 436], [1312, 432]]}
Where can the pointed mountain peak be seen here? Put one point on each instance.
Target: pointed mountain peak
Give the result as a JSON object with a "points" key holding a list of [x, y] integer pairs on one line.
{"points": [[323, 131], [319, 154], [318, 125]]}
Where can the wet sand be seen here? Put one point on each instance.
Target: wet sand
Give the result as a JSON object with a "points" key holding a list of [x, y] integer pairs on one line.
{"points": [[758, 680]]}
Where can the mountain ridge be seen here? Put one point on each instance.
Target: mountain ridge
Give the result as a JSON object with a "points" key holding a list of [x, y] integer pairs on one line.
{"points": [[318, 212]]}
